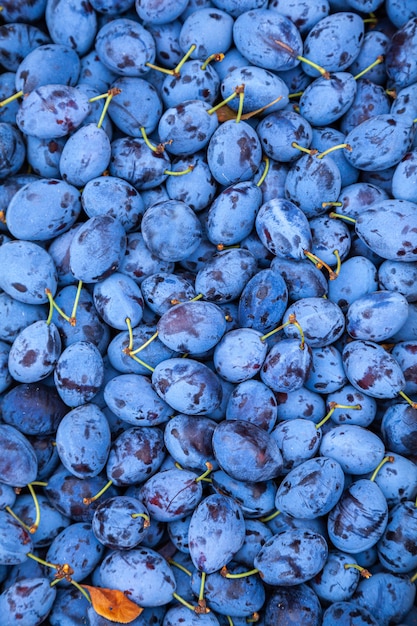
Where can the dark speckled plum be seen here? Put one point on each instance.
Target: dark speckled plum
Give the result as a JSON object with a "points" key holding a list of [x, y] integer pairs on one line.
{"points": [[119, 522], [283, 229], [346, 613], [389, 228], [298, 604], [396, 549], [358, 520], [125, 47], [234, 152], [97, 248], [19, 464], [79, 373], [311, 489], [357, 449], [52, 111], [187, 127], [216, 532], [263, 301], [400, 60], [188, 439], [224, 276], [321, 320], [192, 327], [388, 597], [34, 408], [379, 142], [77, 545], [246, 452], [83, 440], [334, 42], [181, 238], [43, 209], [34, 352], [66, 493], [142, 573], [171, 494], [135, 455], [27, 600], [291, 557], [372, 369], [187, 385], [237, 597], [231, 216], [287, 365], [377, 316], [134, 161], [267, 27]]}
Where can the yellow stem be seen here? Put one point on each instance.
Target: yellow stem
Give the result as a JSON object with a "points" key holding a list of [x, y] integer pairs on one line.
{"points": [[407, 399], [217, 56], [52, 306], [179, 566], [206, 473], [339, 262], [386, 459], [342, 217], [273, 515], [21, 522], [98, 494], [186, 56], [138, 360], [363, 571], [202, 584], [158, 68], [192, 607], [129, 348], [319, 263], [294, 144], [378, 61], [225, 101], [35, 524], [15, 96], [181, 173], [333, 148], [226, 574], [265, 172], [325, 205], [145, 345], [240, 109], [73, 318]]}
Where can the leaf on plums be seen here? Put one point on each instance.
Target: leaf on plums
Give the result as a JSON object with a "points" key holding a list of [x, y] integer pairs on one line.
{"points": [[113, 604]]}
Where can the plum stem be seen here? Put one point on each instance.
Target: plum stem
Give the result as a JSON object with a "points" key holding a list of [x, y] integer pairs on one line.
{"points": [[333, 406], [216, 56], [270, 517], [377, 61], [365, 573], [73, 317], [265, 172], [180, 567], [292, 52], [88, 501], [386, 459], [15, 96]]}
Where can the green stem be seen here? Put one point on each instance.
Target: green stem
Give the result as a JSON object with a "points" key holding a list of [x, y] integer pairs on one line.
{"points": [[265, 172], [217, 56], [269, 518], [386, 459], [12, 98], [73, 317], [179, 566]]}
